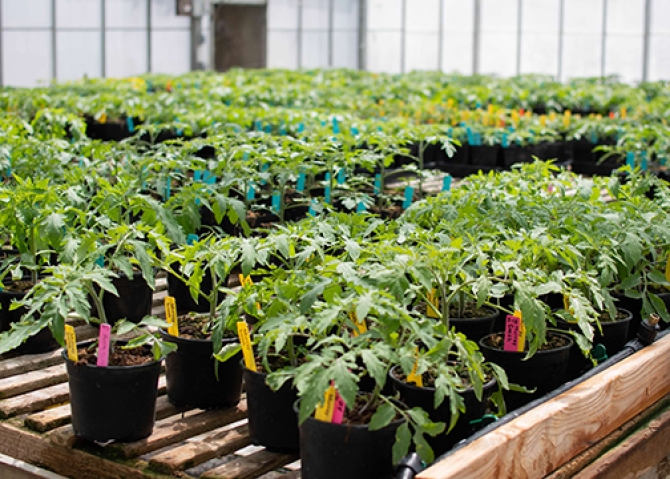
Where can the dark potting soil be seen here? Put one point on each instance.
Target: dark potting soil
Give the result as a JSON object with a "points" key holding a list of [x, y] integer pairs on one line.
{"points": [[471, 311], [388, 212], [119, 357], [361, 413], [277, 362], [497, 341], [606, 318], [18, 286], [197, 326]]}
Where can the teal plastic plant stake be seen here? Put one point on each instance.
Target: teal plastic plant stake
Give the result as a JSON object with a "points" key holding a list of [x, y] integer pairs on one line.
{"points": [[505, 140], [662, 161], [179, 131], [282, 130], [197, 175], [246, 156], [100, 261], [478, 139], [312, 208], [643, 160], [301, 127], [268, 129], [409, 196], [446, 183], [593, 137], [192, 238], [341, 176], [276, 202], [378, 184], [208, 177], [300, 186], [360, 207], [630, 159], [258, 125], [168, 184], [251, 192], [471, 136], [264, 167], [326, 193], [336, 127], [130, 124], [354, 131]]}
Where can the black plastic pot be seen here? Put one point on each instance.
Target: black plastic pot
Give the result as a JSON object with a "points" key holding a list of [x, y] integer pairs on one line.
{"points": [[191, 378], [41, 342], [634, 305], [485, 155], [545, 371], [336, 451], [273, 422], [475, 328], [424, 397], [113, 403], [614, 337], [133, 302], [517, 154]]}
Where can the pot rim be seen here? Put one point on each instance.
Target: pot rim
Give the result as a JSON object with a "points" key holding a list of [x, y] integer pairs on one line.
{"points": [[524, 353], [149, 365], [398, 422], [487, 385]]}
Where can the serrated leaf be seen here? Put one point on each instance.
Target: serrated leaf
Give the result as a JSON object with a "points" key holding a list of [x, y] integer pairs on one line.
{"points": [[382, 417]]}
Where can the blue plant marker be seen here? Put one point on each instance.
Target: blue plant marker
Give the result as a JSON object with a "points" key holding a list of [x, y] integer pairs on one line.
{"points": [[258, 126], [168, 184], [662, 161], [268, 129], [264, 167], [505, 140], [251, 192], [360, 207], [323, 122], [192, 238], [282, 130], [336, 127], [197, 175], [378, 183], [630, 159], [143, 174], [150, 87], [446, 183], [81, 163], [478, 105], [643, 161], [179, 131], [301, 182], [354, 131], [208, 177], [450, 132], [594, 137], [478, 139], [312, 208], [301, 127], [341, 176], [276, 202], [246, 156], [409, 196], [326, 193], [100, 261], [471, 136], [130, 124]]}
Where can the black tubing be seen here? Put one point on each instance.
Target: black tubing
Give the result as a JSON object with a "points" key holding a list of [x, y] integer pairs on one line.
{"points": [[631, 347]]}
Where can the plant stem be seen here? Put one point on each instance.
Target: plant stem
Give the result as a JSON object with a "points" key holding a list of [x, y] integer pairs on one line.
{"points": [[291, 351], [33, 248], [97, 299]]}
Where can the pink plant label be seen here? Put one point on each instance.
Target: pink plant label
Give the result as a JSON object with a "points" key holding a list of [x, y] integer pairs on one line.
{"points": [[103, 345], [338, 411], [512, 328]]}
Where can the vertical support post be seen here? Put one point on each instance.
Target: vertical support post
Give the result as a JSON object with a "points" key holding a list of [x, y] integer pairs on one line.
{"points": [[299, 34], [603, 41], [2, 31], [331, 34], [561, 25], [440, 45], [403, 37], [519, 20], [647, 33], [362, 34], [103, 39], [149, 36], [476, 38], [54, 68]]}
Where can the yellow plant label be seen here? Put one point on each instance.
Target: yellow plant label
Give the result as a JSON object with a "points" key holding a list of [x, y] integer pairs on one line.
{"points": [[566, 118], [245, 341], [413, 376], [465, 114], [566, 302], [171, 315], [491, 109], [522, 331], [543, 120], [624, 112], [515, 117], [552, 116], [360, 326], [71, 343], [103, 118], [433, 305], [450, 103], [245, 281], [324, 411]]}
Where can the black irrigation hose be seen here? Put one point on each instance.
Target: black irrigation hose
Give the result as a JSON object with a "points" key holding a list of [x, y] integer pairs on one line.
{"points": [[408, 469]]}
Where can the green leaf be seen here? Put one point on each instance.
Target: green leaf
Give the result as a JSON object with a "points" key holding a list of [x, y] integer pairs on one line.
{"points": [[403, 439], [382, 417]]}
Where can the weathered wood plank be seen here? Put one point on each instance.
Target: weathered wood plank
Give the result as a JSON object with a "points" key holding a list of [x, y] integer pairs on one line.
{"points": [[281, 475], [175, 429], [44, 421], [34, 401], [634, 456], [548, 436], [249, 467], [72, 463], [15, 385], [27, 363], [209, 446]]}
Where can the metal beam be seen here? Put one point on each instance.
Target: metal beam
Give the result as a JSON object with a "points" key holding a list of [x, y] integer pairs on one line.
{"points": [[519, 19], [476, 37], [362, 34], [331, 35], [103, 39], [299, 34], [440, 45], [54, 68], [603, 41], [647, 32], [561, 24], [403, 37], [2, 32], [149, 36]]}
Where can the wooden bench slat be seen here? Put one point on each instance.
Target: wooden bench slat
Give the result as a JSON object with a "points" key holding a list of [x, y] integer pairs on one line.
{"points": [[15, 385], [249, 467], [34, 401], [281, 475], [27, 363], [209, 446]]}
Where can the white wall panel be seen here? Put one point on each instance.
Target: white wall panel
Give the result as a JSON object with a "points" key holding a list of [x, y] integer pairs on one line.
{"points": [[126, 53], [383, 53], [459, 15], [457, 53], [659, 58], [345, 49], [625, 17], [581, 55], [282, 49], [423, 16], [78, 54], [540, 16], [170, 51], [384, 15], [660, 17], [345, 14], [126, 13], [282, 14], [624, 57], [498, 53], [78, 13], [539, 53], [499, 16], [26, 58], [583, 16], [315, 14], [163, 15], [421, 51], [26, 13], [314, 49]]}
